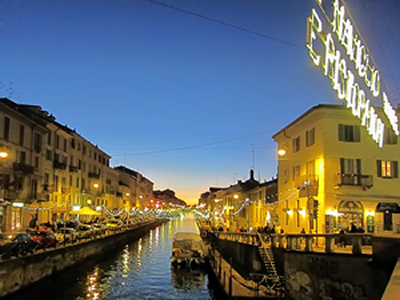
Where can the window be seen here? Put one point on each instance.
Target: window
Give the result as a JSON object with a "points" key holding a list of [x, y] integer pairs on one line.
{"points": [[286, 175], [55, 182], [70, 180], [6, 133], [36, 162], [310, 137], [349, 133], [21, 134], [22, 157], [387, 169], [34, 188], [65, 145], [296, 144], [73, 143], [350, 166], [46, 178], [296, 172], [390, 137], [37, 142], [57, 141], [49, 154], [77, 182], [49, 138]]}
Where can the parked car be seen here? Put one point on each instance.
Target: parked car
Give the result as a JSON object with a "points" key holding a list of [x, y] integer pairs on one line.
{"points": [[84, 231], [113, 224], [44, 238], [66, 235], [99, 228], [15, 244]]}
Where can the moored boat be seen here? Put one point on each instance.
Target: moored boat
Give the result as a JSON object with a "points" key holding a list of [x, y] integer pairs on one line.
{"points": [[188, 250]]}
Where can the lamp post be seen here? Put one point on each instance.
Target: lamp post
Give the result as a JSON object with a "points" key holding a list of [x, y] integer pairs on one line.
{"points": [[4, 152]]}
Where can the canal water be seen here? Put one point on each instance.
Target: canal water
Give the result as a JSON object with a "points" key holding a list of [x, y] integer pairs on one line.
{"points": [[140, 270]]}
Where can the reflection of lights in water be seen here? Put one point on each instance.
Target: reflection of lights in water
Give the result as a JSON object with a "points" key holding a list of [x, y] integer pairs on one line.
{"points": [[157, 235], [151, 240], [92, 285], [125, 262], [139, 253]]}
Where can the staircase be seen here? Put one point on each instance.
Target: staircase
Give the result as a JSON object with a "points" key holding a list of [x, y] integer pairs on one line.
{"points": [[272, 280]]}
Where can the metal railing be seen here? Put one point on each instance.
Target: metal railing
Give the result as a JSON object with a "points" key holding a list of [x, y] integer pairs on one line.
{"points": [[329, 243]]}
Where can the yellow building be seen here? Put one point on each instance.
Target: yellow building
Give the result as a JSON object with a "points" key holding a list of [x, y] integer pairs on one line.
{"points": [[48, 170], [333, 175]]}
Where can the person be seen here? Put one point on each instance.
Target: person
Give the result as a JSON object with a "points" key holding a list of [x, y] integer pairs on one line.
{"points": [[303, 231], [353, 228], [342, 239], [273, 229]]}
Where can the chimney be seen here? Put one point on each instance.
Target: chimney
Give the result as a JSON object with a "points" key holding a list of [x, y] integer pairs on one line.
{"points": [[251, 174]]}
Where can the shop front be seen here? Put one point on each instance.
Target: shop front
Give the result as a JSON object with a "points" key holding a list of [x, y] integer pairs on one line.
{"points": [[350, 214], [389, 211]]}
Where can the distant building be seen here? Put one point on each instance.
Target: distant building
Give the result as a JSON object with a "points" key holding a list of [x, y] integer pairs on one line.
{"points": [[166, 199], [48, 170]]}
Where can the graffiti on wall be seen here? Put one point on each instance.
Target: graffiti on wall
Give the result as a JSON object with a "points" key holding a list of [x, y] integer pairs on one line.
{"points": [[320, 284]]}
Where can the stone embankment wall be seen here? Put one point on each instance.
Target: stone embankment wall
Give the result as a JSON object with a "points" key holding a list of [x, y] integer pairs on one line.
{"points": [[19, 273], [313, 275]]}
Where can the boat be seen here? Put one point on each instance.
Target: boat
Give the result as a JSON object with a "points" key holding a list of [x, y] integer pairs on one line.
{"points": [[188, 250]]}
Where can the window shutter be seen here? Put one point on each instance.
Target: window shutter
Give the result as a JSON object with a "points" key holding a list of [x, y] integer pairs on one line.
{"points": [[395, 169], [379, 168], [341, 132], [357, 133], [341, 165], [358, 162]]}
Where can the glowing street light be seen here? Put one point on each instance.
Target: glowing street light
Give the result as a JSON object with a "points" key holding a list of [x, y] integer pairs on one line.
{"points": [[281, 152]]}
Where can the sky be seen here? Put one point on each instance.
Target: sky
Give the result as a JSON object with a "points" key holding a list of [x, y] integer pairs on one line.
{"points": [[187, 92]]}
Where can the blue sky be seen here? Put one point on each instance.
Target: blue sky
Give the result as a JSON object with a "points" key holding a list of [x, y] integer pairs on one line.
{"points": [[186, 101]]}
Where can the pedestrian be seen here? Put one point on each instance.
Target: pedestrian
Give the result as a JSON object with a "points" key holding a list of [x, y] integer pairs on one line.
{"points": [[342, 239]]}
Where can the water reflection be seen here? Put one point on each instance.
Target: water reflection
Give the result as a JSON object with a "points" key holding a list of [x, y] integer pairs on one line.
{"points": [[139, 270], [188, 279]]}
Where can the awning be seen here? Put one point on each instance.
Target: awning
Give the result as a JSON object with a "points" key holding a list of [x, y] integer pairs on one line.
{"points": [[391, 207], [85, 211]]}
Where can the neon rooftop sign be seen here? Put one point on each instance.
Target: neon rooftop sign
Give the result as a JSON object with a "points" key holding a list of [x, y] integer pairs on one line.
{"points": [[338, 49]]}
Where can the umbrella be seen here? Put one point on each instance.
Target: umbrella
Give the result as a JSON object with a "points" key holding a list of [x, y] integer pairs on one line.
{"points": [[85, 211]]}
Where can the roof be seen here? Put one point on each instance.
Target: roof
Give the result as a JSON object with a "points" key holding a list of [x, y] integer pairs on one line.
{"points": [[308, 112]]}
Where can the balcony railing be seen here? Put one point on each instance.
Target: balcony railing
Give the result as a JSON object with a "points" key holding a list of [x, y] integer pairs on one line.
{"points": [[354, 180], [73, 168], [94, 175], [59, 165], [8, 195], [307, 185], [24, 168]]}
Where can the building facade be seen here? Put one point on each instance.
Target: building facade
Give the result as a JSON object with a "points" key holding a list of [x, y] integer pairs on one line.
{"points": [[333, 176], [48, 171]]}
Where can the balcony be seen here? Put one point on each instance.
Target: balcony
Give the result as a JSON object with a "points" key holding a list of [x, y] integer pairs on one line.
{"points": [[59, 165], [73, 168], [361, 180], [307, 185], [24, 168], [8, 195], [94, 175]]}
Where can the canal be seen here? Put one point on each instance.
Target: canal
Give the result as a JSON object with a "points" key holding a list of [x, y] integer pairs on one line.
{"points": [[140, 270]]}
